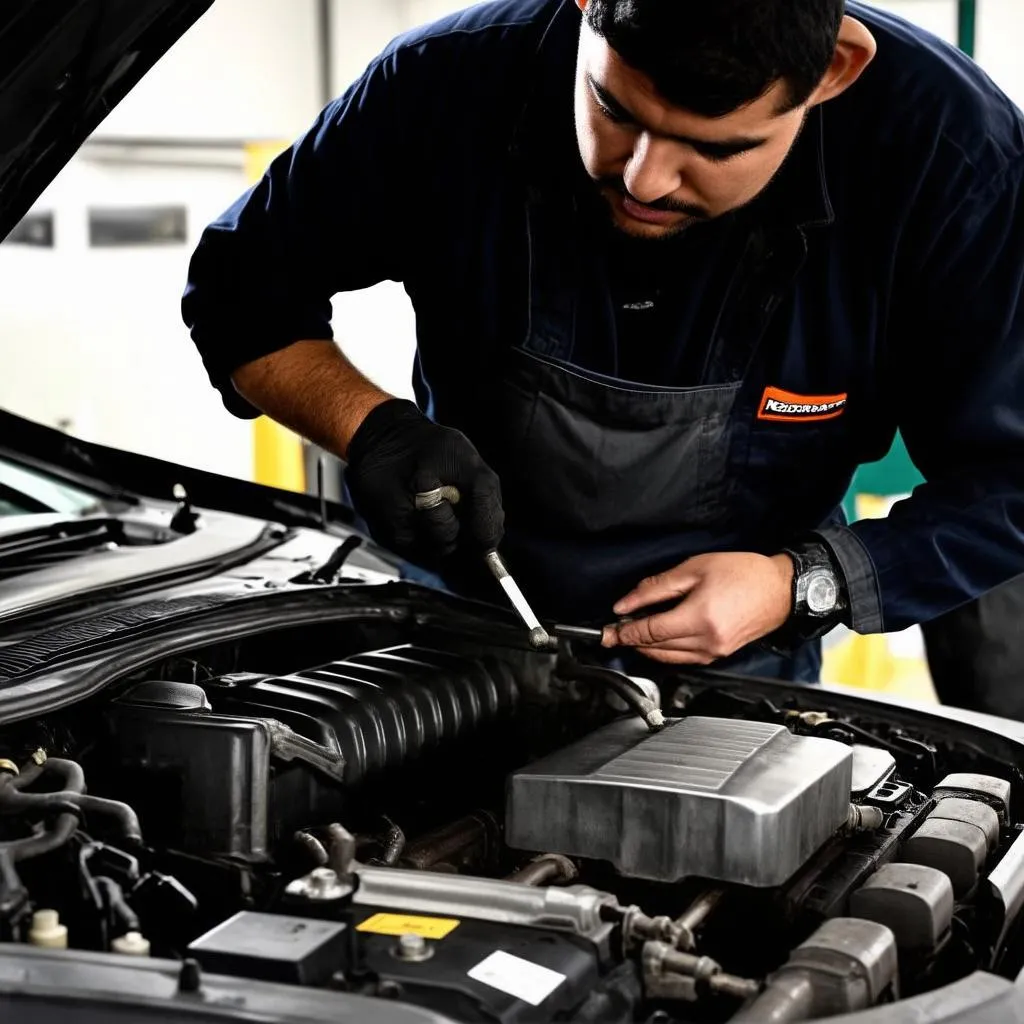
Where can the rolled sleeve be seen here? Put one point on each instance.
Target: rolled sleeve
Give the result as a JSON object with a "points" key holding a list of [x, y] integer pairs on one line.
{"points": [[860, 576], [323, 219]]}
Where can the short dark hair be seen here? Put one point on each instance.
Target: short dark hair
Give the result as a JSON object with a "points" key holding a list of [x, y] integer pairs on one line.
{"points": [[712, 57]]}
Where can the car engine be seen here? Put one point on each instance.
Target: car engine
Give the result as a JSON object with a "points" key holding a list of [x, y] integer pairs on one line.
{"points": [[500, 834]]}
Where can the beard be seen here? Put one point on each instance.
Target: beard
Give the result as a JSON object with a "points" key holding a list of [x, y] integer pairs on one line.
{"points": [[609, 186]]}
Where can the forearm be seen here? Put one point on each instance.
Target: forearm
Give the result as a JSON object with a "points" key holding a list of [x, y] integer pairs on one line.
{"points": [[311, 388]]}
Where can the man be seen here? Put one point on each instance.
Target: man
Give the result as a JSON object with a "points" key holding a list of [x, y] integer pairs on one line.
{"points": [[678, 267]]}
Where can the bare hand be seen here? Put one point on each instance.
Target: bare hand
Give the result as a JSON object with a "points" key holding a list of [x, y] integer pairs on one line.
{"points": [[727, 601]]}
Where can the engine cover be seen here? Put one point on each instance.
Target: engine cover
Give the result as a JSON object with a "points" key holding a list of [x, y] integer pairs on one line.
{"points": [[735, 801]]}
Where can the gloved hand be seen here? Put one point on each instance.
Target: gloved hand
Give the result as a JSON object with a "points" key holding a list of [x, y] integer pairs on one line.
{"points": [[396, 453]]}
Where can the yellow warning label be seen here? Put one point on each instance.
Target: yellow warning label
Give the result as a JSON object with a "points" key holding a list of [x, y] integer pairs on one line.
{"points": [[408, 924]]}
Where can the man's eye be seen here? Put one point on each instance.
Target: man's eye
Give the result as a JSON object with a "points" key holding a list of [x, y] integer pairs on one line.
{"points": [[612, 115], [718, 156]]}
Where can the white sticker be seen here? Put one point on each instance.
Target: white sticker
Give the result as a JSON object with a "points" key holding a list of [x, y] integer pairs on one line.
{"points": [[516, 977]]}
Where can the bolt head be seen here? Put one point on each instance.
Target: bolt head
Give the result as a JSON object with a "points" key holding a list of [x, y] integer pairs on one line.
{"points": [[323, 878], [412, 948]]}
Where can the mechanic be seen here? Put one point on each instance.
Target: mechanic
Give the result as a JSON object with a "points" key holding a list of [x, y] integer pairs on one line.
{"points": [[678, 267]]}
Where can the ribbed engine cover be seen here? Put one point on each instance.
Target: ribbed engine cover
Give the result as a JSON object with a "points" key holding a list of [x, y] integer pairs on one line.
{"points": [[741, 802]]}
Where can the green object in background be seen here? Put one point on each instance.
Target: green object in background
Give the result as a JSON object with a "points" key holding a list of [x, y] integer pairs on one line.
{"points": [[895, 474], [967, 25]]}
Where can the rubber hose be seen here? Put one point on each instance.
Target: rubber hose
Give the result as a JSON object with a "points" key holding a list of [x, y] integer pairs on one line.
{"points": [[126, 917], [69, 772], [621, 685], [35, 846], [27, 775], [12, 802], [393, 845], [312, 847]]}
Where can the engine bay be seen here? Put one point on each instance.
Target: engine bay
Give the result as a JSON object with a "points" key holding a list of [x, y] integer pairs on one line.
{"points": [[499, 834]]}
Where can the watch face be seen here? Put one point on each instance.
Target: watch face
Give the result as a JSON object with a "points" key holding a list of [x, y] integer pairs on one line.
{"points": [[822, 592]]}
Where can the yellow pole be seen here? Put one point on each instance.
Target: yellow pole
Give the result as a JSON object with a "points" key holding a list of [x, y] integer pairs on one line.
{"points": [[277, 452]]}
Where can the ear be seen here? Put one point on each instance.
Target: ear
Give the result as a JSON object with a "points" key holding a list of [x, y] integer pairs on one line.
{"points": [[581, 4], [855, 50]]}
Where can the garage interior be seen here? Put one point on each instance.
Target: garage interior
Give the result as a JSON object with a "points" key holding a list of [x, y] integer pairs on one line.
{"points": [[274, 776], [129, 209]]}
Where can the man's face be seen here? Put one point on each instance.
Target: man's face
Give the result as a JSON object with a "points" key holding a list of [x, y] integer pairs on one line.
{"points": [[661, 168]]}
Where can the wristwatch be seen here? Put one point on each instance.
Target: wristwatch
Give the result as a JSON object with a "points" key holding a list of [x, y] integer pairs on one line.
{"points": [[819, 589]]}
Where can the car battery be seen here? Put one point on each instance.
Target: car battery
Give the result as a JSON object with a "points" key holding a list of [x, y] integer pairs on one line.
{"points": [[466, 969], [273, 947], [473, 970]]}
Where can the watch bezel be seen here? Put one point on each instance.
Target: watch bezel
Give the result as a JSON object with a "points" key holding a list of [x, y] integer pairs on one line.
{"points": [[812, 576]]}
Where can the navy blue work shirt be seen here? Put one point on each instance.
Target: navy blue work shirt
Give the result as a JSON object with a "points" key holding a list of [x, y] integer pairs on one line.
{"points": [[886, 294]]}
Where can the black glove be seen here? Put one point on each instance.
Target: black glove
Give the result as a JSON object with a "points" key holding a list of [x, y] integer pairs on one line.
{"points": [[398, 453]]}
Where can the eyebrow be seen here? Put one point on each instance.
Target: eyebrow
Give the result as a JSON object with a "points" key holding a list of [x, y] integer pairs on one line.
{"points": [[733, 145]]}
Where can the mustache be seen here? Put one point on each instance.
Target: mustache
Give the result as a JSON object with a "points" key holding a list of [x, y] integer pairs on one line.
{"points": [[665, 205]]}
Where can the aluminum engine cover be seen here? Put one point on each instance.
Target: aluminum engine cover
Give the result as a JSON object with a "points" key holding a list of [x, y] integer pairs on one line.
{"points": [[734, 801]]}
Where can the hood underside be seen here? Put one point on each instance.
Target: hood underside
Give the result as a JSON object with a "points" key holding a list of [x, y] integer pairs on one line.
{"points": [[64, 65]]}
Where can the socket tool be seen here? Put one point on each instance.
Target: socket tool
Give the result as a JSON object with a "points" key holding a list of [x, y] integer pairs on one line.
{"points": [[582, 633], [539, 637]]}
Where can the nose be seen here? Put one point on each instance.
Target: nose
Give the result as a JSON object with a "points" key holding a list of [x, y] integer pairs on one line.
{"points": [[653, 170]]}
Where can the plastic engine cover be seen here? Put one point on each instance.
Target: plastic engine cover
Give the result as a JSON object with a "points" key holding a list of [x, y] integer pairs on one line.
{"points": [[735, 801]]}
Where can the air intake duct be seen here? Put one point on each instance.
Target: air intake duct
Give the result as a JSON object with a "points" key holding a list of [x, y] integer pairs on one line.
{"points": [[203, 758]]}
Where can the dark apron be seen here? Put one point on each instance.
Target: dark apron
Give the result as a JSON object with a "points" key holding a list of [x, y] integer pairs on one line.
{"points": [[605, 481]]}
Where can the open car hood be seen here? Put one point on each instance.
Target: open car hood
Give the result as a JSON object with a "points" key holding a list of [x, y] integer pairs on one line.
{"points": [[64, 65], [129, 476]]}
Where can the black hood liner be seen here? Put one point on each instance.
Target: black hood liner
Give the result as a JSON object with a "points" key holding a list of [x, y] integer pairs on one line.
{"points": [[113, 473], [64, 65]]}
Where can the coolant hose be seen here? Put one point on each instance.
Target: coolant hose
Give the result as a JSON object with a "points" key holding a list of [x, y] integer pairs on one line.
{"points": [[127, 919], [69, 772], [621, 685], [63, 829], [13, 802]]}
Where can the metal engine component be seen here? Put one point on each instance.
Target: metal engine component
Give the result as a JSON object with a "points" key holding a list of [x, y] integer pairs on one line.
{"points": [[737, 801], [914, 901], [675, 975], [1006, 885], [956, 838], [845, 966], [453, 846], [871, 767], [986, 788], [320, 885], [864, 819], [576, 909], [972, 813]]}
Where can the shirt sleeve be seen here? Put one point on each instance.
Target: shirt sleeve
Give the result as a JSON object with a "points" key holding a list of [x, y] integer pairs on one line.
{"points": [[957, 383], [323, 219]]}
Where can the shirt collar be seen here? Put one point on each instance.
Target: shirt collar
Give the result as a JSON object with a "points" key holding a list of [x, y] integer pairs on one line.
{"points": [[799, 194]]}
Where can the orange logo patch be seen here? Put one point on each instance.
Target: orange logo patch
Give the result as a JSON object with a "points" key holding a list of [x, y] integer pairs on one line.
{"points": [[785, 406]]}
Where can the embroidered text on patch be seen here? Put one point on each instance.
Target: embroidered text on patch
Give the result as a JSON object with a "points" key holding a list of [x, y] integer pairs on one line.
{"points": [[785, 406]]}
